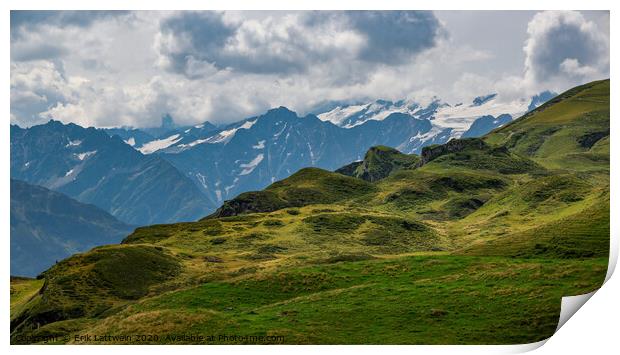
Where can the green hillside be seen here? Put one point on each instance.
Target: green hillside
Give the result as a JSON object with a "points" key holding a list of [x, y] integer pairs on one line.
{"points": [[472, 242], [378, 163], [569, 132]]}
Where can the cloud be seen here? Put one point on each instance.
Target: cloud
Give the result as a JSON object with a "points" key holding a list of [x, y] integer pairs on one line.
{"points": [[562, 49], [111, 70], [37, 35], [83, 18], [563, 45], [35, 87], [293, 42], [192, 38], [394, 36]]}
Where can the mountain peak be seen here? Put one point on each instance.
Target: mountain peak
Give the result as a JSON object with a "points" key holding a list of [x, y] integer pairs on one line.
{"points": [[540, 99], [167, 122], [280, 109], [483, 99], [280, 112]]}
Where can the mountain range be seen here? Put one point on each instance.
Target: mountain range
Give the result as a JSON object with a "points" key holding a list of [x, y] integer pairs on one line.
{"points": [[176, 173], [90, 166], [250, 154]]}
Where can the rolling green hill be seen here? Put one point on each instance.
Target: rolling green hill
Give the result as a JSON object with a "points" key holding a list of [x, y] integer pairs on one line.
{"points": [[473, 242]]}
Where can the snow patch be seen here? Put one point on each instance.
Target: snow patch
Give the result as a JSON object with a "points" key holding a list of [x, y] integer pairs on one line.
{"points": [[460, 118], [227, 135], [424, 137], [131, 141], [202, 179], [82, 156], [194, 143], [73, 143], [247, 124], [311, 153], [249, 167], [153, 146], [279, 133], [227, 188], [339, 114]]}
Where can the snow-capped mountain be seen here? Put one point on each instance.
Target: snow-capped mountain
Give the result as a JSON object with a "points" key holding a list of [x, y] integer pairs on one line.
{"points": [[459, 118], [174, 173], [252, 153], [348, 116], [149, 140], [92, 167]]}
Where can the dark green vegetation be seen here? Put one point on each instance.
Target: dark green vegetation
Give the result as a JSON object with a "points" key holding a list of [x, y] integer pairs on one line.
{"points": [[379, 162], [474, 242]]}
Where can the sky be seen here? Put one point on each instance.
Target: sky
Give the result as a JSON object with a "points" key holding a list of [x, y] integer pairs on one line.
{"points": [[125, 68]]}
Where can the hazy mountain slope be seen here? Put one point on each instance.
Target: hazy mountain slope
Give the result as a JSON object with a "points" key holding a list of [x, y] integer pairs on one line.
{"points": [[47, 226], [92, 167], [486, 124]]}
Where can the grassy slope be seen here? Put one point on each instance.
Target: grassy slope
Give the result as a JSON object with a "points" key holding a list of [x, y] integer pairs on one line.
{"points": [[479, 300], [552, 133], [23, 290], [418, 256]]}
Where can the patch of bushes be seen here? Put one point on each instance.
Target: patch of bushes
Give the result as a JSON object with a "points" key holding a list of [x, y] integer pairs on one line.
{"points": [[331, 223], [347, 257], [218, 241]]}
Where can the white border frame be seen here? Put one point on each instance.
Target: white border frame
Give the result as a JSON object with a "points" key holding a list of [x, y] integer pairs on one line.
{"points": [[592, 329]]}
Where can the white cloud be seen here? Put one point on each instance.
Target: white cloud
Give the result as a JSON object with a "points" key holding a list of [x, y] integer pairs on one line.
{"points": [[563, 48], [133, 69]]}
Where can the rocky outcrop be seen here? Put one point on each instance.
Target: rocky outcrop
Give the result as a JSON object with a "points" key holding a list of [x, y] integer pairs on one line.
{"points": [[433, 152]]}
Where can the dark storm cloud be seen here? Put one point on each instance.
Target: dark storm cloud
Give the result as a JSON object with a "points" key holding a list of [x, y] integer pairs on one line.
{"points": [[25, 23], [394, 36], [41, 51], [564, 44], [391, 37], [206, 33], [33, 18], [566, 41]]}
